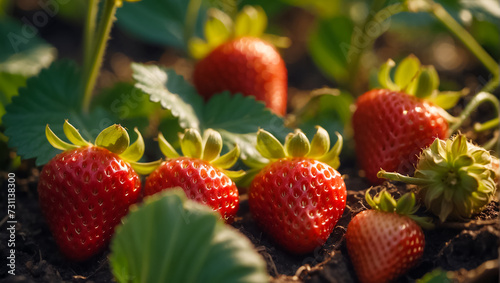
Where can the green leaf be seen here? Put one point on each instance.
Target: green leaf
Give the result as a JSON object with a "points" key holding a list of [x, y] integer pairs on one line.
{"points": [[329, 46], [328, 108], [50, 98], [22, 52], [238, 118], [157, 21], [191, 143], [135, 151], [172, 239], [9, 84], [129, 104], [172, 91]]}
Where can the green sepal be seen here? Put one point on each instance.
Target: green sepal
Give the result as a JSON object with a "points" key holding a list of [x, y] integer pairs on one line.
{"points": [[384, 75], [73, 135], [406, 73], [320, 143], [251, 21], [234, 175], [135, 151], [145, 168], [212, 145], [332, 157], [446, 99], [114, 138], [405, 205], [56, 142], [191, 143], [166, 148], [227, 160], [269, 146], [297, 144], [427, 82]]}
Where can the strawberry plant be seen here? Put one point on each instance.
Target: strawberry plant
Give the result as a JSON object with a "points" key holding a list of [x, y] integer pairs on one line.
{"points": [[232, 132]]}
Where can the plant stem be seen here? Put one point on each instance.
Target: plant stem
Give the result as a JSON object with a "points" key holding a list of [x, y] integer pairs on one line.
{"points": [[89, 32], [401, 178], [461, 33], [363, 39], [493, 123], [191, 18], [473, 104], [102, 36]]}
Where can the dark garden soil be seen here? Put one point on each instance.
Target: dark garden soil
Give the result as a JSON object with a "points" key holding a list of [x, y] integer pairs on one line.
{"points": [[469, 249]]}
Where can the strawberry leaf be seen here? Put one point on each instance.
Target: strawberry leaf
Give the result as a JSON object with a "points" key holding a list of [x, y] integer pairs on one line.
{"points": [[50, 98], [159, 22], [186, 242], [172, 91], [22, 55]]}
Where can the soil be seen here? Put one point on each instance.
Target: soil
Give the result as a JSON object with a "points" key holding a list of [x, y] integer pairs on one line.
{"points": [[469, 249]]}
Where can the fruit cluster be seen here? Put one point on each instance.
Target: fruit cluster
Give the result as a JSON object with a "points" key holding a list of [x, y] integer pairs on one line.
{"points": [[296, 195]]}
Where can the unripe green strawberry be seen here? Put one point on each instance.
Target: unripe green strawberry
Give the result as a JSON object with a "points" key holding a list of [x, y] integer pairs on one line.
{"points": [[455, 178], [86, 190], [201, 173], [385, 242], [298, 198]]}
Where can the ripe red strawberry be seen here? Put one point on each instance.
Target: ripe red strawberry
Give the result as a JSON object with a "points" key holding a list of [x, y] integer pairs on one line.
{"points": [[85, 191], [386, 241], [201, 174], [247, 65], [236, 59], [393, 124], [391, 128], [298, 198]]}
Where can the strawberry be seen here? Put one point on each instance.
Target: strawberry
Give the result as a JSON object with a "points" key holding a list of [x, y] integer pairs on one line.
{"points": [[298, 197], [393, 124], [86, 190], [386, 241], [236, 59], [455, 178], [201, 173], [391, 128]]}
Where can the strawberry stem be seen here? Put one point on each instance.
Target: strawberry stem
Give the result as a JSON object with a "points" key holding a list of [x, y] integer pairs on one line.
{"points": [[473, 104], [461, 33], [89, 32], [478, 127], [193, 10], [97, 51], [401, 178]]}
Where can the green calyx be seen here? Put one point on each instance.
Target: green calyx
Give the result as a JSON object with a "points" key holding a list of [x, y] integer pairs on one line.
{"points": [[220, 27], [406, 205], [207, 148], [114, 138], [297, 145], [455, 178], [421, 81]]}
